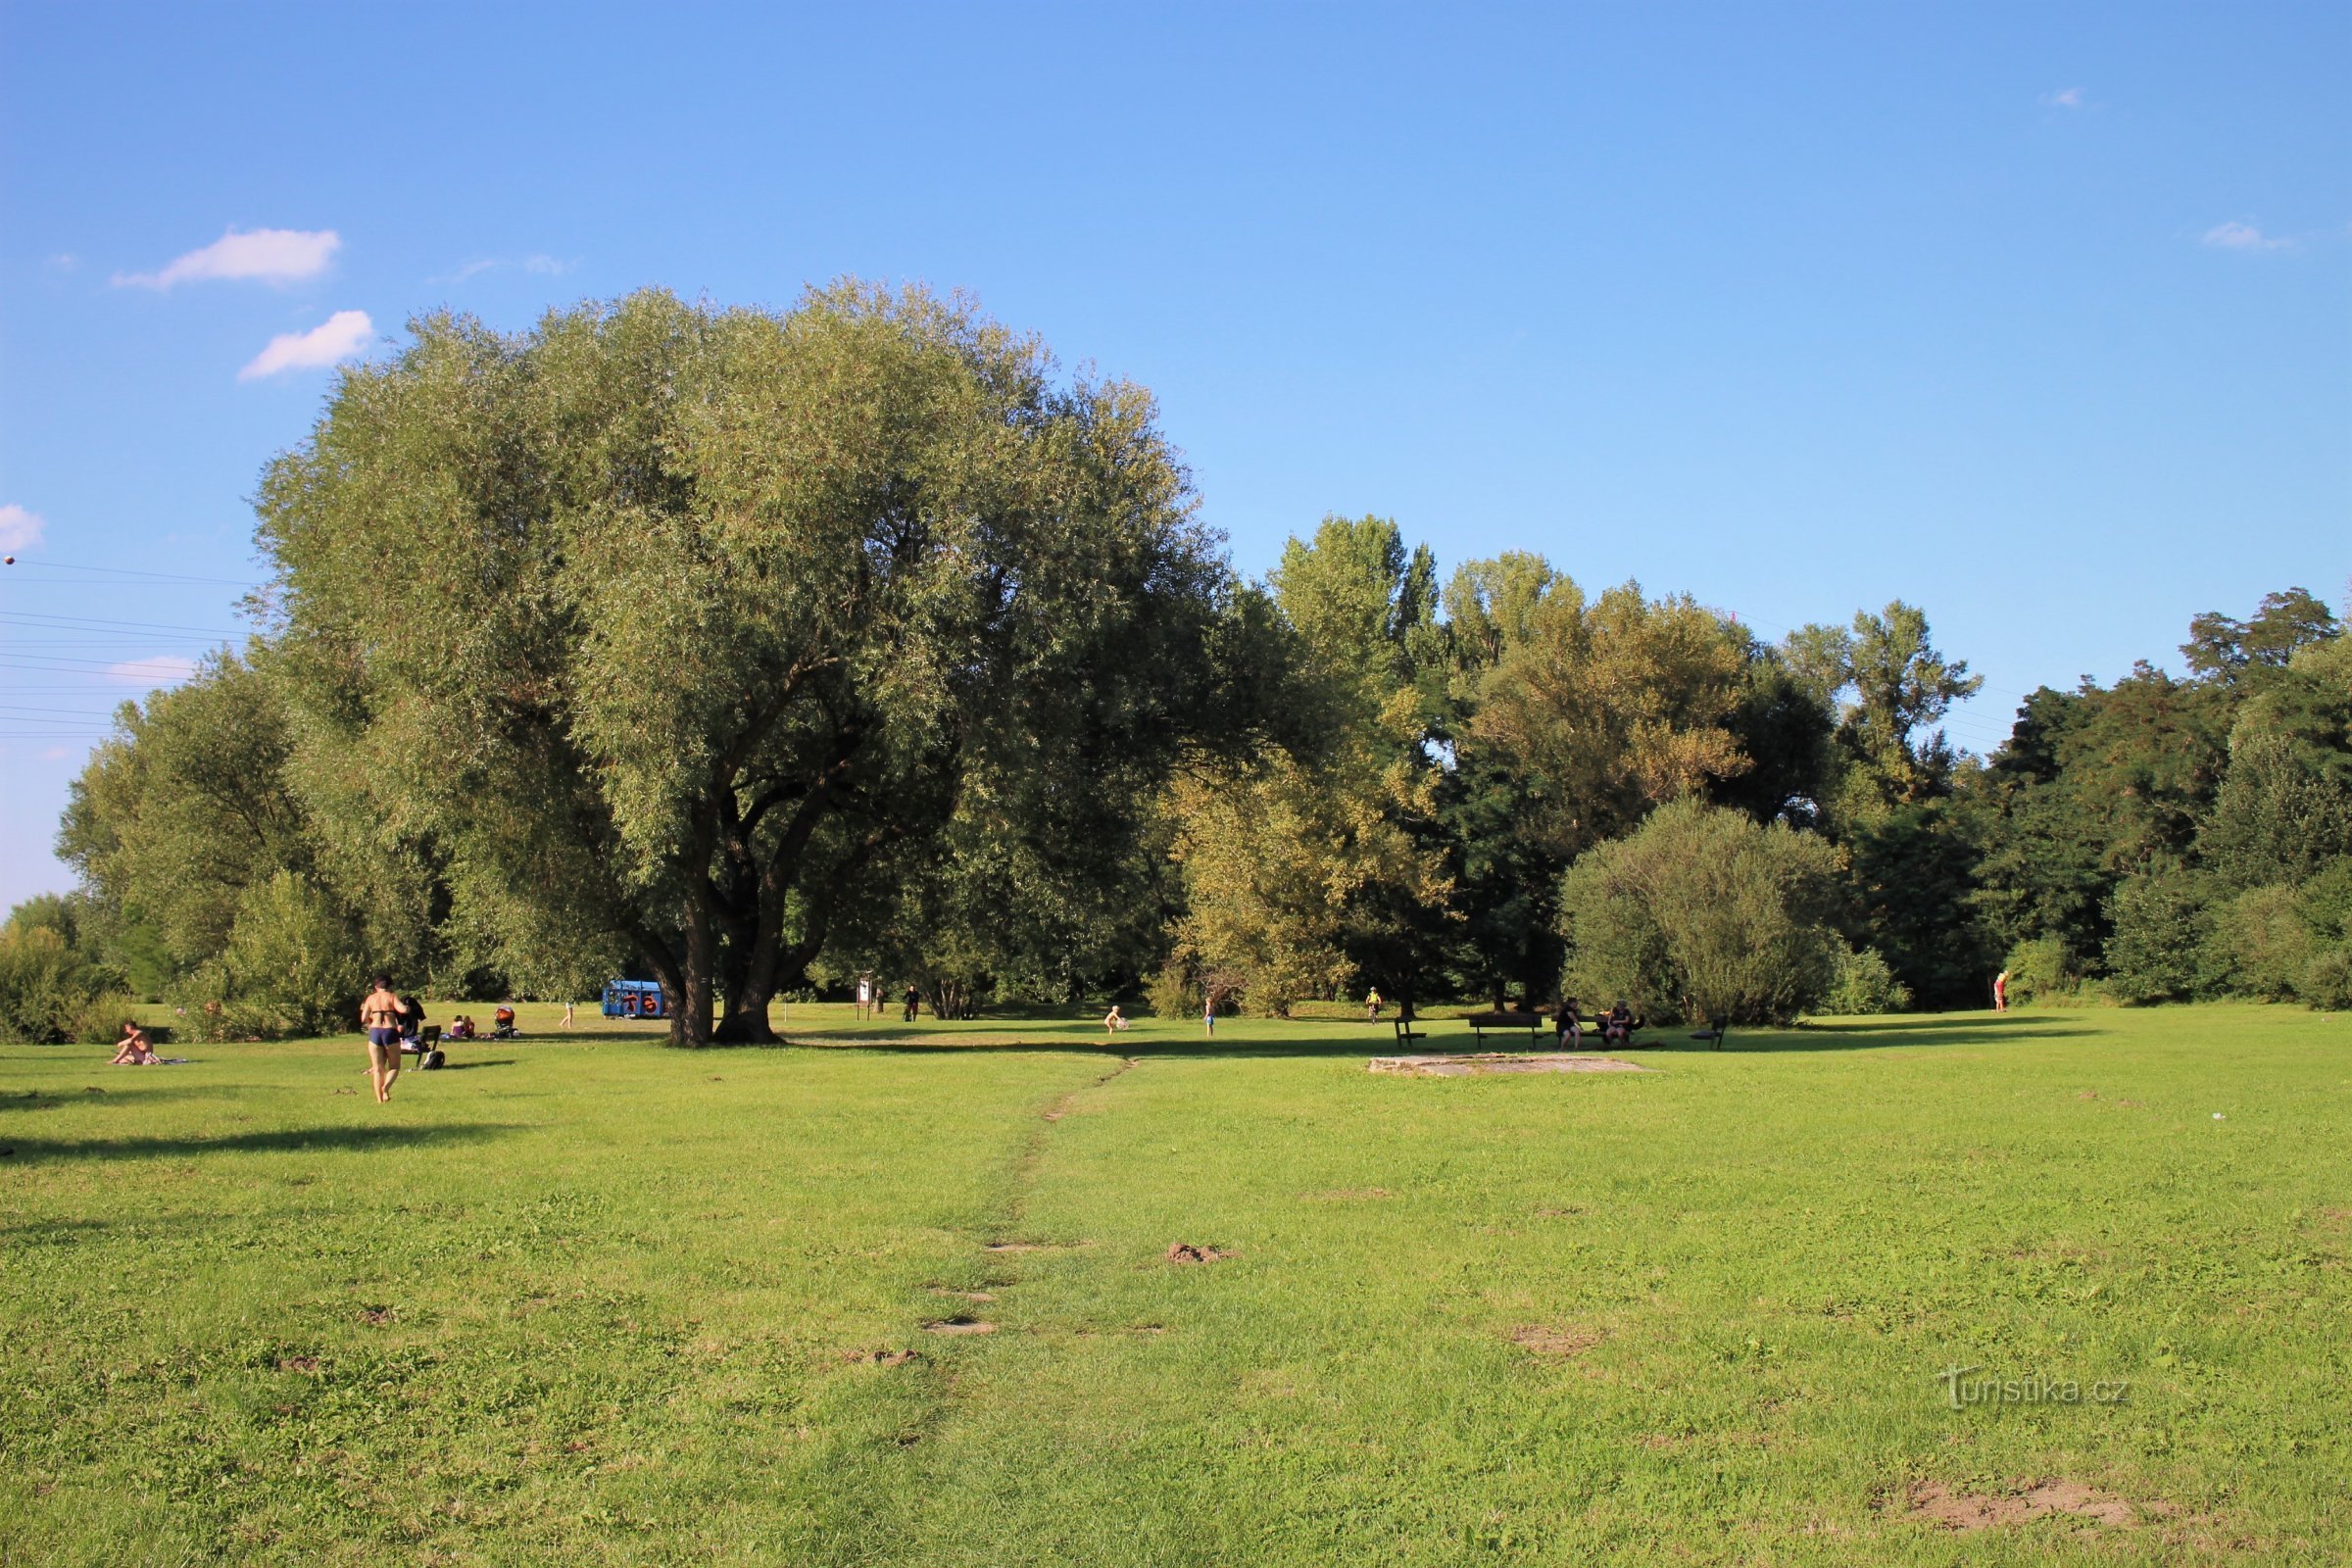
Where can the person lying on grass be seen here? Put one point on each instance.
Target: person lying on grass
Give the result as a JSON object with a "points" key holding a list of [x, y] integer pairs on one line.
{"points": [[134, 1050]]}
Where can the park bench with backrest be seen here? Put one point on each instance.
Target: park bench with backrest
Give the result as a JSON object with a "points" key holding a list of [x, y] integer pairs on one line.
{"points": [[1507, 1018]]}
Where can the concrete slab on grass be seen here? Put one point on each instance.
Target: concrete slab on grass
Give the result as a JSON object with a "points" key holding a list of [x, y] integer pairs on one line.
{"points": [[1478, 1063]]}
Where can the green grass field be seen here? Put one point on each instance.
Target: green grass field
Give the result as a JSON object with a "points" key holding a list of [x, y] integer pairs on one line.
{"points": [[591, 1300]]}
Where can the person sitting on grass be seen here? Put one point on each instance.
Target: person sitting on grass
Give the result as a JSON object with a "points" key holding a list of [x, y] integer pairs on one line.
{"points": [[134, 1050], [1114, 1020], [460, 1028]]}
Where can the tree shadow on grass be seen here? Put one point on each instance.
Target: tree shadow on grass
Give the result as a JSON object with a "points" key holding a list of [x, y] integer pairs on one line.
{"points": [[285, 1140], [1438, 1039]]}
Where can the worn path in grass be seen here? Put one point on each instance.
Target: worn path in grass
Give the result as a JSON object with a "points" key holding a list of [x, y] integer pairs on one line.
{"points": [[600, 1302]]}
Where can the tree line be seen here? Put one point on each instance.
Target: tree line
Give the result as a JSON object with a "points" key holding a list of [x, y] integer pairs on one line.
{"points": [[750, 650]]}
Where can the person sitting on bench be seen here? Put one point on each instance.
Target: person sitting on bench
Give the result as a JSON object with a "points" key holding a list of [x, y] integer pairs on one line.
{"points": [[1569, 1024], [1617, 1025]]}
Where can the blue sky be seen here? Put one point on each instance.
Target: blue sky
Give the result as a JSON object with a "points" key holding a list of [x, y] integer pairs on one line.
{"points": [[2037, 315]]}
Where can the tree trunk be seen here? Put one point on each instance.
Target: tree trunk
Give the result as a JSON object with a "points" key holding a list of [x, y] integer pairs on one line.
{"points": [[690, 1024]]}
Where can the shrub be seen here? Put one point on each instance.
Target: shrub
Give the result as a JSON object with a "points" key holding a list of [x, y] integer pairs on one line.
{"points": [[2042, 970], [1701, 912], [2326, 981], [1861, 982], [2163, 942], [293, 966], [2262, 943], [1173, 992], [42, 984]]}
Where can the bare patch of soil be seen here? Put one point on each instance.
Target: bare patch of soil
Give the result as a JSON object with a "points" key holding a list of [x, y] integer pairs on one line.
{"points": [[1933, 1503], [375, 1316], [1558, 1213], [959, 1325], [961, 1295], [298, 1363], [881, 1358], [1548, 1340], [1034, 1246], [1187, 1252]]}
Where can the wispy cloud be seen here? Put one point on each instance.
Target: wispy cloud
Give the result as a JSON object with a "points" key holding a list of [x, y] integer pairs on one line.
{"points": [[162, 670], [2238, 237], [338, 337], [2065, 98], [64, 262], [543, 265], [267, 255], [19, 529]]}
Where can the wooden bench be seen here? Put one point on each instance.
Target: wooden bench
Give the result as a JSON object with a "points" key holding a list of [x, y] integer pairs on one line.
{"points": [[1481, 1023], [1403, 1023]]}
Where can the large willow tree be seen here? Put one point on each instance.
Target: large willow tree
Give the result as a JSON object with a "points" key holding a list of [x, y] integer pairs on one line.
{"points": [[671, 628]]}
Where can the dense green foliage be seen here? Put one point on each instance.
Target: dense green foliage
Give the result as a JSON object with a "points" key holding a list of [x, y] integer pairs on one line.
{"points": [[756, 651], [574, 1304], [1703, 913]]}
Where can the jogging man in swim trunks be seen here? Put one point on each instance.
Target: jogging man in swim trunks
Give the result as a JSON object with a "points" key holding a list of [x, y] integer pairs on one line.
{"points": [[380, 1016]]}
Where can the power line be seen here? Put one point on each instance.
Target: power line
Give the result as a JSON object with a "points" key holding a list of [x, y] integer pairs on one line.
{"points": [[128, 625], [127, 571]]}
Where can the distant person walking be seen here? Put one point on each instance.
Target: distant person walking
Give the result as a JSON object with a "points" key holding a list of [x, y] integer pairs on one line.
{"points": [[2000, 991], [380, 1015], [567, 1019], [914, 1005], [1208, 1014]]}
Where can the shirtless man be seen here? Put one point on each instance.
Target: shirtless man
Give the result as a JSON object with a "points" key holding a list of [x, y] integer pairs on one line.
{"points": [[133, 1049], [380, 1016]]}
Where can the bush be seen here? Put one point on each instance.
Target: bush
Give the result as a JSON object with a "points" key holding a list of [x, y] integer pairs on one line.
{"points": [[1701, 912], [2327, 982], [1174, 993], [2261, 944], [1861, 983], [2163, 942], [43, 983], [293, 966], [2042, 970]]}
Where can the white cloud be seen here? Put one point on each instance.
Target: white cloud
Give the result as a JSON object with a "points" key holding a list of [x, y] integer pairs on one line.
{"points": [[271, 255], [339, 337], [55, 754], [164, 670], [2064, 98], [542, 263], [19, 529], [2237, 237]]}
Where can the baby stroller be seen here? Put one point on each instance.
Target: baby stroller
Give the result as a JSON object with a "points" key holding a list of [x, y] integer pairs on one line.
{"points": [[502, 1024]]}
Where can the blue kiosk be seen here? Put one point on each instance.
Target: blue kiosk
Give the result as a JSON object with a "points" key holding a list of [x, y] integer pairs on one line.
{"points": [[634, 999]]}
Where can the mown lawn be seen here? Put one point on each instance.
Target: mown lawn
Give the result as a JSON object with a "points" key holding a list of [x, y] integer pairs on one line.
{"points": [[592, 1300]]}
